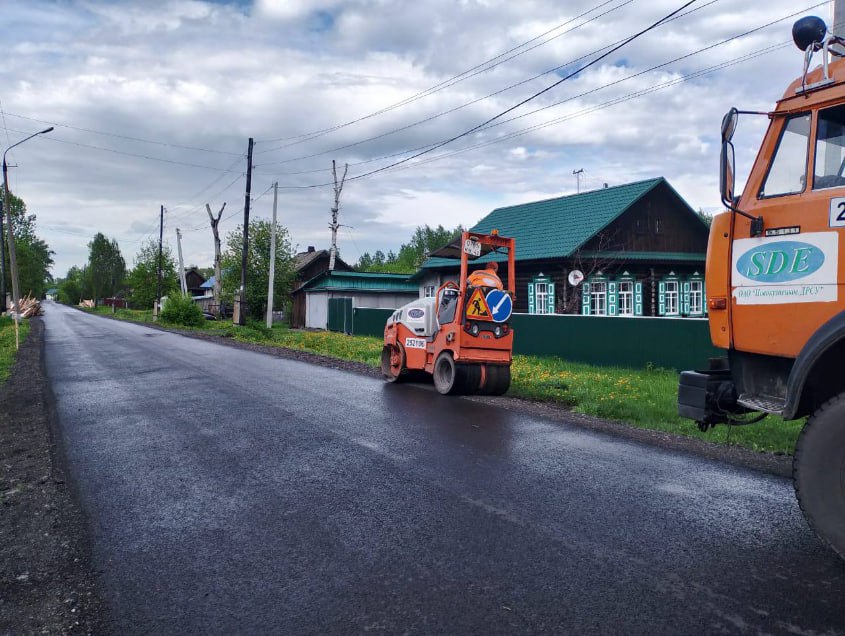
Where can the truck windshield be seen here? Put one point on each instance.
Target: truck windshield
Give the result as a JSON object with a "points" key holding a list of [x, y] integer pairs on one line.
{"points": [[788, 170]]}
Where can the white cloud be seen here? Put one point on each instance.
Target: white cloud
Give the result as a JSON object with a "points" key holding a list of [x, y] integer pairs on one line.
{"points": [[208, 75]]}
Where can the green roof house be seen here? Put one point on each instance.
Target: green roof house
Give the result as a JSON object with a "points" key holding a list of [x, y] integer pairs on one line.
{"points": [[632, 250], [346, 291]]}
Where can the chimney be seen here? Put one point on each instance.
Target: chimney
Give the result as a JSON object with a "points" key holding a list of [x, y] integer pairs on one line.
{"points": [[310, 248], [605, 185]]}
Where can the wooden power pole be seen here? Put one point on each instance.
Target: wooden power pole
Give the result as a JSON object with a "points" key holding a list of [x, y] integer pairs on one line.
{"points": [[242, 297], [272, 258], [218, 283], [157, 307], [182, 282], [338, 188]]}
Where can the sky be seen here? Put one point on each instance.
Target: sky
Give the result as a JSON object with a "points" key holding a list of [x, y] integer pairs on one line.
{"points": [[153, 103]]}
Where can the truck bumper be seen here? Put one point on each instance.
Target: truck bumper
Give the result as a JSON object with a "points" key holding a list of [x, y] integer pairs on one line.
{"points": [[706, 396]]}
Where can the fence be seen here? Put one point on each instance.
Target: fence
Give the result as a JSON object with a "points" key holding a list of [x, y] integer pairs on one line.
{"points": [[675, 343]]}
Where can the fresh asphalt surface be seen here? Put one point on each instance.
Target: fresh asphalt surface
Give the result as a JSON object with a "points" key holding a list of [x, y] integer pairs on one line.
{"points": [[233, 492]]}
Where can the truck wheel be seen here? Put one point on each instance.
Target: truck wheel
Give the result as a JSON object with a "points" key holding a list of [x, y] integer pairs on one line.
{"points": [[446, 376], [393, 363], [818, 470]]}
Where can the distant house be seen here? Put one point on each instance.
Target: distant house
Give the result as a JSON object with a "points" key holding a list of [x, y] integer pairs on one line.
{"points": [[640, 248], [351, 290], [308, 265], [195, 282]]}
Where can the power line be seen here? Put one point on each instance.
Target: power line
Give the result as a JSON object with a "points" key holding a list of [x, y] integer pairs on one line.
{"points": [[450, 81], [612, 102], [123, 152], [118, 136], [608, 104], [466, 104], [518, 104]]}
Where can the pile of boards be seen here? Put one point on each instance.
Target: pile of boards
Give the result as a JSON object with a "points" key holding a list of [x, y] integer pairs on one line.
{"points": [[29, 307], [87, 304]]}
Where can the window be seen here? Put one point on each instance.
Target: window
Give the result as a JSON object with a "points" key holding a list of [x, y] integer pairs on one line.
{"points": [[658, 225], [671, 297], [598, 298], [541, 295], [428, 291], [696, 297], [626, 298], [830, 149], [788, 170]]}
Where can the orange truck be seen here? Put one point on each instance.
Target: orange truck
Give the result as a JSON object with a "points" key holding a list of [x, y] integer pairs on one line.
{"points": [[461, 337], [775, 270]]}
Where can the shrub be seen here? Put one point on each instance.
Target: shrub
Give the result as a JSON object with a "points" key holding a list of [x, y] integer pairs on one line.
{"points": [[181, 310]]}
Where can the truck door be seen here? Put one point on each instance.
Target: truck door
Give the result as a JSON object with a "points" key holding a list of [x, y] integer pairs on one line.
{"points": [[786, 283]]}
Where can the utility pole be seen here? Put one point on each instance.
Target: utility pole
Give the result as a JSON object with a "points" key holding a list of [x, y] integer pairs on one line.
{"points": [[10, 236], [578, 174], [158, 273], [183, 283], [334, 224], [218, 283], [242, 297], [3, 306], [272, 258]]}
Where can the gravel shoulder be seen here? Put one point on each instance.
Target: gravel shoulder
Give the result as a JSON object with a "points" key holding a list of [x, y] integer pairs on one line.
{"points": [[46, 581]]}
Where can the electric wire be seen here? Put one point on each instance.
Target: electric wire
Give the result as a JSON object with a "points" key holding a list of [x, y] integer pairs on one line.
{"points": [[464, 105], [437, 87], [123, 152], [127, 137], [612, 102], [518, 104]]}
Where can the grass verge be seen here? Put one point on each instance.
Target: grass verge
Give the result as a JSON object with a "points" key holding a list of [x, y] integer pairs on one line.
{"points": [[646, 398], [8, 353]]}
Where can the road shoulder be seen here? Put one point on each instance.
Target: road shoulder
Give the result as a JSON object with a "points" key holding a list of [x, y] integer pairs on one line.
{"points": [[46, 580]]}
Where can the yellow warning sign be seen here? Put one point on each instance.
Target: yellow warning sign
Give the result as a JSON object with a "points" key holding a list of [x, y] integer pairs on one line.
{"points": [[477, 307]]}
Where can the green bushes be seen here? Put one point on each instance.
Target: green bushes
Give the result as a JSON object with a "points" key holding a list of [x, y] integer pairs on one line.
{"points": [[181, 310]]}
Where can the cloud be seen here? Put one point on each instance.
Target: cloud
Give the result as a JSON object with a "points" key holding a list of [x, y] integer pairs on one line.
{"points": [[155, 102]]}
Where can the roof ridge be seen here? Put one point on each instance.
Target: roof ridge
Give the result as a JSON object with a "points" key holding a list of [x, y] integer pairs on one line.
{"points": [[655, 180]]}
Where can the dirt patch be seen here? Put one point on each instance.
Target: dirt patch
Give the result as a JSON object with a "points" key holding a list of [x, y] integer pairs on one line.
{"points": [[46, 581]]}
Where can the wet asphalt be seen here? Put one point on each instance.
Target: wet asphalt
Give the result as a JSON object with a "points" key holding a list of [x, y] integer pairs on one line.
{"points": [[228, 491]]}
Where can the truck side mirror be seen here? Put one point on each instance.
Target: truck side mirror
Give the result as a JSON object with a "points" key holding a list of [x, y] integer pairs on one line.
{"points": [[729, 124], [726, 173]]}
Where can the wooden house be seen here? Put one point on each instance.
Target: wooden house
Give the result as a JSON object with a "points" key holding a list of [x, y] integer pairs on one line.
{"points": [[308, 265], [637, 249]]}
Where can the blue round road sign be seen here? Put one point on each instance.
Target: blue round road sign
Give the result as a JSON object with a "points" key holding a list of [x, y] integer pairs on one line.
{"points": [[500, 305]]}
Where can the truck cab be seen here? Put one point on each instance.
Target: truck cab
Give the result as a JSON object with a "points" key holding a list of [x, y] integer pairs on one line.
{"points": [[774, 280]]}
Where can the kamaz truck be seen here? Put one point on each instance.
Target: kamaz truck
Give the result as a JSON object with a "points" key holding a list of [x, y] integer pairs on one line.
{"points": [[774, 280]]}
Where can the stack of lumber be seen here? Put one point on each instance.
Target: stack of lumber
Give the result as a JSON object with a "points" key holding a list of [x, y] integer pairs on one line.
{"points": [[29, 307], [87, 304]]}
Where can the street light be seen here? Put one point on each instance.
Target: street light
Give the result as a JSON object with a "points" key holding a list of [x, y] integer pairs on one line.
{"points": [[10, 234]]}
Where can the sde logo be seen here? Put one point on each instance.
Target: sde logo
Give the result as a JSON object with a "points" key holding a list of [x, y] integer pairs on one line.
{"points": [[780, 261]]}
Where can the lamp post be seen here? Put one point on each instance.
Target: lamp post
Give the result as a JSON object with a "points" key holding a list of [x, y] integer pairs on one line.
{"points": [[10, 235]]}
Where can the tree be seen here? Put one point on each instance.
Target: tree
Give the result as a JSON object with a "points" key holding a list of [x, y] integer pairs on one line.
{"points": [[72, 287], [106, 269], [412, 254], [143, 279], [706, 218], [34, 256], [258, 267]]}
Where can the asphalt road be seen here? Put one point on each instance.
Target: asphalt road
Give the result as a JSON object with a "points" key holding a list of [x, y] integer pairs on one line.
{"points": [[233, 492]]}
